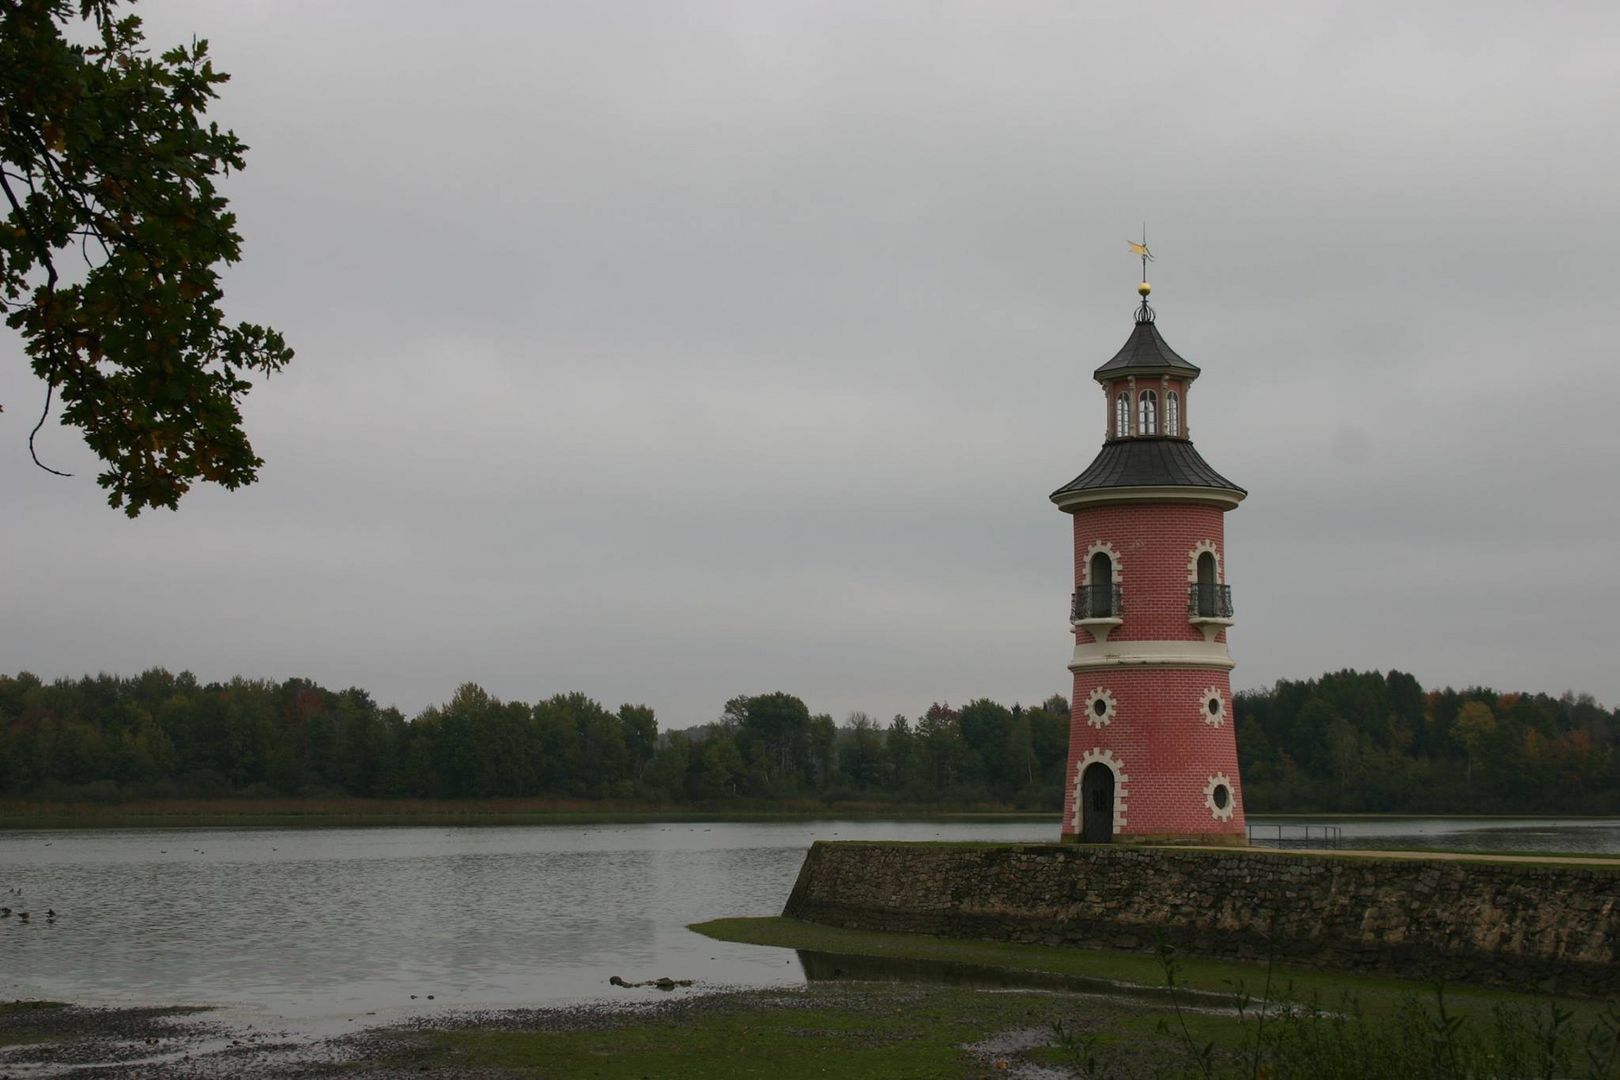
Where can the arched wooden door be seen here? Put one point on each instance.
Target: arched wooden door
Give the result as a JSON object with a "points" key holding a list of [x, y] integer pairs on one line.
{"points": [[1097, 804]]}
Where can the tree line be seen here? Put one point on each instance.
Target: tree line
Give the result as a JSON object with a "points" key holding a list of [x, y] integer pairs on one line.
{"points": [[160, 735], [1365, 741], [1348, 741]]}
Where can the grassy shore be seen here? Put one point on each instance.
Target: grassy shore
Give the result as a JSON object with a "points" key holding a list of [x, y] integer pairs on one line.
{"points": [[855, 1031], [1202, 1018], [170, 813]]}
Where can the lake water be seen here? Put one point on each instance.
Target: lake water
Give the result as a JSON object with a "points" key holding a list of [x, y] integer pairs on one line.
{"points": [[1591, 836], [316, 928], [312, 924]]}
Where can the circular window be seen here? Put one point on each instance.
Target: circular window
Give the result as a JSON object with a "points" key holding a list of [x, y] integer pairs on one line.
{"points": [[1100, 707], [1219, 797], [1214, 711]]}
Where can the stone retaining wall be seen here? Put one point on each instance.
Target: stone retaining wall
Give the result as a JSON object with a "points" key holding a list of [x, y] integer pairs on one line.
{"points": [[1484, 922]]}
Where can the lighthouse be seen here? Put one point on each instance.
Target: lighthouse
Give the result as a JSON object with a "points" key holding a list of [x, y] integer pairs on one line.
{"points": [[1152, 752]]}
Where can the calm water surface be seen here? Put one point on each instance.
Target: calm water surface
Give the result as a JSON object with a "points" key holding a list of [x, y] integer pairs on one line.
{"points": [[1592, 836], [323, 926], [312, 924]]}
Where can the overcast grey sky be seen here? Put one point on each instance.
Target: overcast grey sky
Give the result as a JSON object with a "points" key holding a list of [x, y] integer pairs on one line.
{"points": [[673, 351]]}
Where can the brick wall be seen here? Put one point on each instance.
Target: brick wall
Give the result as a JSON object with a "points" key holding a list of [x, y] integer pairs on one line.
{"points": [[1158, 733], [1153, 541], [1168, 750]]}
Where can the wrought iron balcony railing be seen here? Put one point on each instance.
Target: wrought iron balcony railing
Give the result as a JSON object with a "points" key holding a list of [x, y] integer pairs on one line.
{"points": [[1209, 601], [1097, 602]]}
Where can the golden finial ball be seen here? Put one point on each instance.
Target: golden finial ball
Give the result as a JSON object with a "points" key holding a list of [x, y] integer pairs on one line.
{"points": [[1144, 288]]}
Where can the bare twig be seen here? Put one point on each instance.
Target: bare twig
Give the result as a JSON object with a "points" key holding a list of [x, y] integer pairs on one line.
{"points": [[49, 388]]}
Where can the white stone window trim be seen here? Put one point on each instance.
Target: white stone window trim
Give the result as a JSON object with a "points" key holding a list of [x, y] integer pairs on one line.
{"points": [[1101, 627], [1096, 719], [1208, 625], [1213, 717], [1106, 548], [1220, 813], [1192, 562], [1117, 767]]}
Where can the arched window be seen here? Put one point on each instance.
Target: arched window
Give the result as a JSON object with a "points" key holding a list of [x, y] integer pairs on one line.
{"points": [[1100, 587], [1149, 421], [1122, 415], [1172, 413], [1208, 594]]}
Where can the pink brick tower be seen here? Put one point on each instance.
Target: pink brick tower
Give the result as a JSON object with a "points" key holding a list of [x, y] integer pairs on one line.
{"points": [[1152, 755]]}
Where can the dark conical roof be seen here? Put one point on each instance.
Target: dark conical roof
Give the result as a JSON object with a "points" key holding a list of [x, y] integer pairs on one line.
{"points": [[1145, 350], [1147, 462]]}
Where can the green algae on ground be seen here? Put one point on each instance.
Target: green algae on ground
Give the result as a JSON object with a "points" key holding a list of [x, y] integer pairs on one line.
{"points": [[845, 1031], [15, 1029], [13, 1008], [54, 1026], [896, 1029], [1207, 1020]]}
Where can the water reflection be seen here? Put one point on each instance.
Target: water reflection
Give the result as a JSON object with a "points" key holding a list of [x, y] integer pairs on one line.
{"points": [[825, 966]]}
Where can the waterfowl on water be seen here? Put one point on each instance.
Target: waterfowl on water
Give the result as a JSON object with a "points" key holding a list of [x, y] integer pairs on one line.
{"points": [[5, 913], [23, 915]]}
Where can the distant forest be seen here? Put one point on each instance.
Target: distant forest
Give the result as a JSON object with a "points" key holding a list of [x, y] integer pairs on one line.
{"points": [[1348, 741]]}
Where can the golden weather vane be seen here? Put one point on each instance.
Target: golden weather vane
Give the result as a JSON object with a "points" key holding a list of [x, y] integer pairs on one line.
{"points": [[1147, 257], [1142, 250]]}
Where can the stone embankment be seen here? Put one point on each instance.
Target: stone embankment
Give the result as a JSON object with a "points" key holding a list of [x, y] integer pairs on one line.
{"points": [[1504, 923]]}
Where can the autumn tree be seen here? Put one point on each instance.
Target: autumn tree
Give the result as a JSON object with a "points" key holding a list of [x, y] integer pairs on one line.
{"points": [[1475, 724], [113, 234]]}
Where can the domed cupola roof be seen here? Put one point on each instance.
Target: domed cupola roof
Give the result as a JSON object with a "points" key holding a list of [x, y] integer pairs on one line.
{"points": [[1145, 352]]}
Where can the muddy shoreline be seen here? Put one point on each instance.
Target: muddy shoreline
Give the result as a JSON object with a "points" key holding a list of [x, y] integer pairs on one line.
{"points": [[64, 1042], [70, 1042]]}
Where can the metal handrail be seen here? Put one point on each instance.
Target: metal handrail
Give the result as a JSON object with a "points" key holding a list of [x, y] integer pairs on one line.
{"points": [[1300, 834], [1209, 601], [1097, 602]]}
